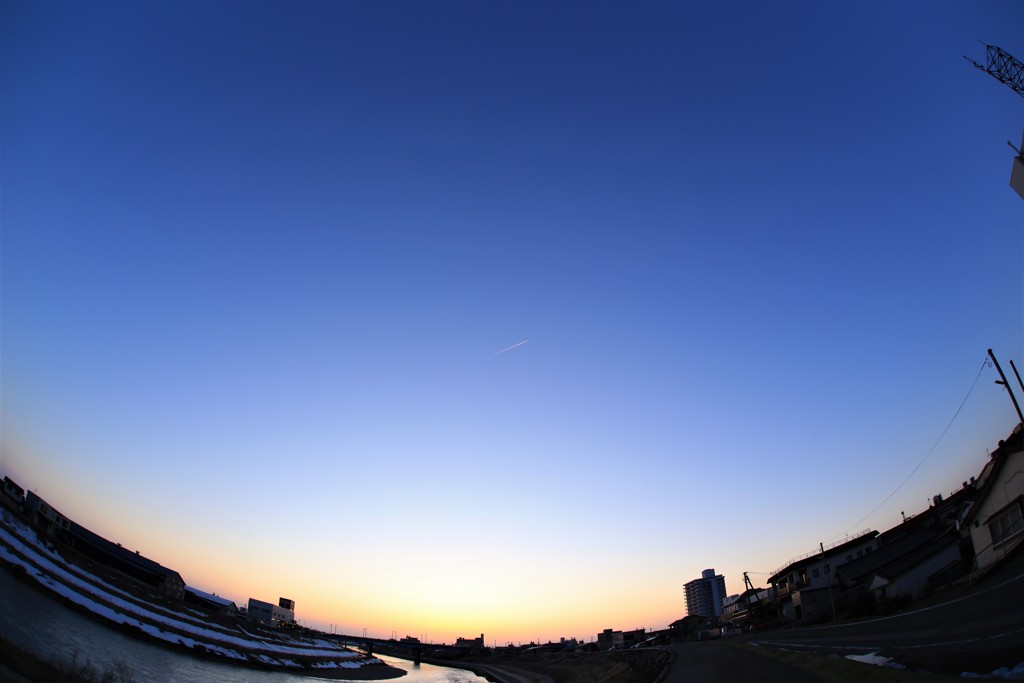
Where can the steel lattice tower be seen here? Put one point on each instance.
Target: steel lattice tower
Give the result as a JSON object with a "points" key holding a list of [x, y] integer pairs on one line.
{"points": [[1003, 67]]}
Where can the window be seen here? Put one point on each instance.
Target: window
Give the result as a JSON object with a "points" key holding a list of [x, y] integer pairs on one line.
{"points": [[1007, 525], [816, 572]]}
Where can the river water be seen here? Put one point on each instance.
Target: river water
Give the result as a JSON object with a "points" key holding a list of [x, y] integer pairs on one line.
{"points": [[35, 622]]}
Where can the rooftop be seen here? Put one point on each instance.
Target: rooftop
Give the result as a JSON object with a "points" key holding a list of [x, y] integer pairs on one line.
{"points": [[828, 550]]}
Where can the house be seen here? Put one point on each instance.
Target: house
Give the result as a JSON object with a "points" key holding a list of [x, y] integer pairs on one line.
{"points": [[44, 517], [608, 639], [634, 637], [620, 640], [901, 571], [995, 522], [744, 610], [692, 627], [132, 564], [803, 588], [210, 601], [12, 496], [568, 644], [922, 553]]}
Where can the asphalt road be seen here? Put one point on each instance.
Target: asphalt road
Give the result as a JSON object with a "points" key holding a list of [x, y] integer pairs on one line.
{"points": [[507, 674], [977, 629], [717, 662]]}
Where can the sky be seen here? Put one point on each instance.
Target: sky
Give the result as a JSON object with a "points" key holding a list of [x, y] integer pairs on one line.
{"points": [[448, 318]]}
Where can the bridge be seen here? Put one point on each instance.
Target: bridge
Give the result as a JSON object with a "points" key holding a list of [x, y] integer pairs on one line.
{"points": [[405, 650]]}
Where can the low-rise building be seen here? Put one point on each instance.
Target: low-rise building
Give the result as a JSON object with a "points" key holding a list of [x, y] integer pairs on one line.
{"points": [[268, 613], [132, 564], [210, 601], [693, 627], [803, 588], [43, 516], [900, 572], [746, 609], [620, 640], [924, 552], [609, 639], [996, 520], [470, 642], [12, 496]]}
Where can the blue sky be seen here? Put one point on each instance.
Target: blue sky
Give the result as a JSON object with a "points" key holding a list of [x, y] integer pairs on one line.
{"points": [[259, 258]]}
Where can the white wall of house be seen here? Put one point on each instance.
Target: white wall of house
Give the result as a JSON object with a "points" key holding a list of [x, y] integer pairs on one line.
{"points": [[987, 527]]}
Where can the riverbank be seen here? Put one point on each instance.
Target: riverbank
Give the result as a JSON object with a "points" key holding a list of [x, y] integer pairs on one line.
{"points": [[19, 666], [40, 567]]}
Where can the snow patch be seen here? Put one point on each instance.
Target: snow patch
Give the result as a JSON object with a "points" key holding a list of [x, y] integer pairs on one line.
{"points": [[877, 660]]}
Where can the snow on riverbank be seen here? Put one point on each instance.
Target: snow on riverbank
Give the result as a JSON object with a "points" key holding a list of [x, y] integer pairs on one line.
{"points": [[19, 546]]}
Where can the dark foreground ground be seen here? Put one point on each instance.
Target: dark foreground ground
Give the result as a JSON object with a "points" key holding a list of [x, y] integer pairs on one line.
{"points": [[707, 662], [624, 666], [17, 666], [704, 662], [974, 627]]}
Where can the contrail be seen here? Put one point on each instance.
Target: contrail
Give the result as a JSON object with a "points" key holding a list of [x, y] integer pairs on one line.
{"points": [[508, 349]]}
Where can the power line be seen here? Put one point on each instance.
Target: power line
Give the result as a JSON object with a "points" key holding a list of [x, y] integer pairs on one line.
{"points": [[984, 363]]}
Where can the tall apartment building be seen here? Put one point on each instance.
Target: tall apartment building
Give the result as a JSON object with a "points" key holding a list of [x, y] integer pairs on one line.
{"points": [[704, 596]]}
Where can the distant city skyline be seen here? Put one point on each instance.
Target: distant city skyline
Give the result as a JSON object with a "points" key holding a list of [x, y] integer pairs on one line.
{"points": [[503, 318]]}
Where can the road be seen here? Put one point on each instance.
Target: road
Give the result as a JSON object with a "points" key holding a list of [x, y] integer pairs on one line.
{"points": [[716, 662], [507, 674], [977, 630]]}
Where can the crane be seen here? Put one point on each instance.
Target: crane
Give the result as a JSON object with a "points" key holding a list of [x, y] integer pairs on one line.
{"points": [[1002, 66]]}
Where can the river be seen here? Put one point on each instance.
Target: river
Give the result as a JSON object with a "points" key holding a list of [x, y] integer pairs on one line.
{"points": [[37, 623]]}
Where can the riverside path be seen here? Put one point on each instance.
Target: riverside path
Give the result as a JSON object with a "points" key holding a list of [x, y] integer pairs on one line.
{"points": [[718, 662]]}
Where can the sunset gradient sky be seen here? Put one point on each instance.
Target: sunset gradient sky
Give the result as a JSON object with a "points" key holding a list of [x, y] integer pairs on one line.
{"points": [[260, 260]]}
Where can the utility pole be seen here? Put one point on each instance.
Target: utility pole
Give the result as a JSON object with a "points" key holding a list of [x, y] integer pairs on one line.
{"points": [[828, 578], [1018, 375], [1006, 384]]}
